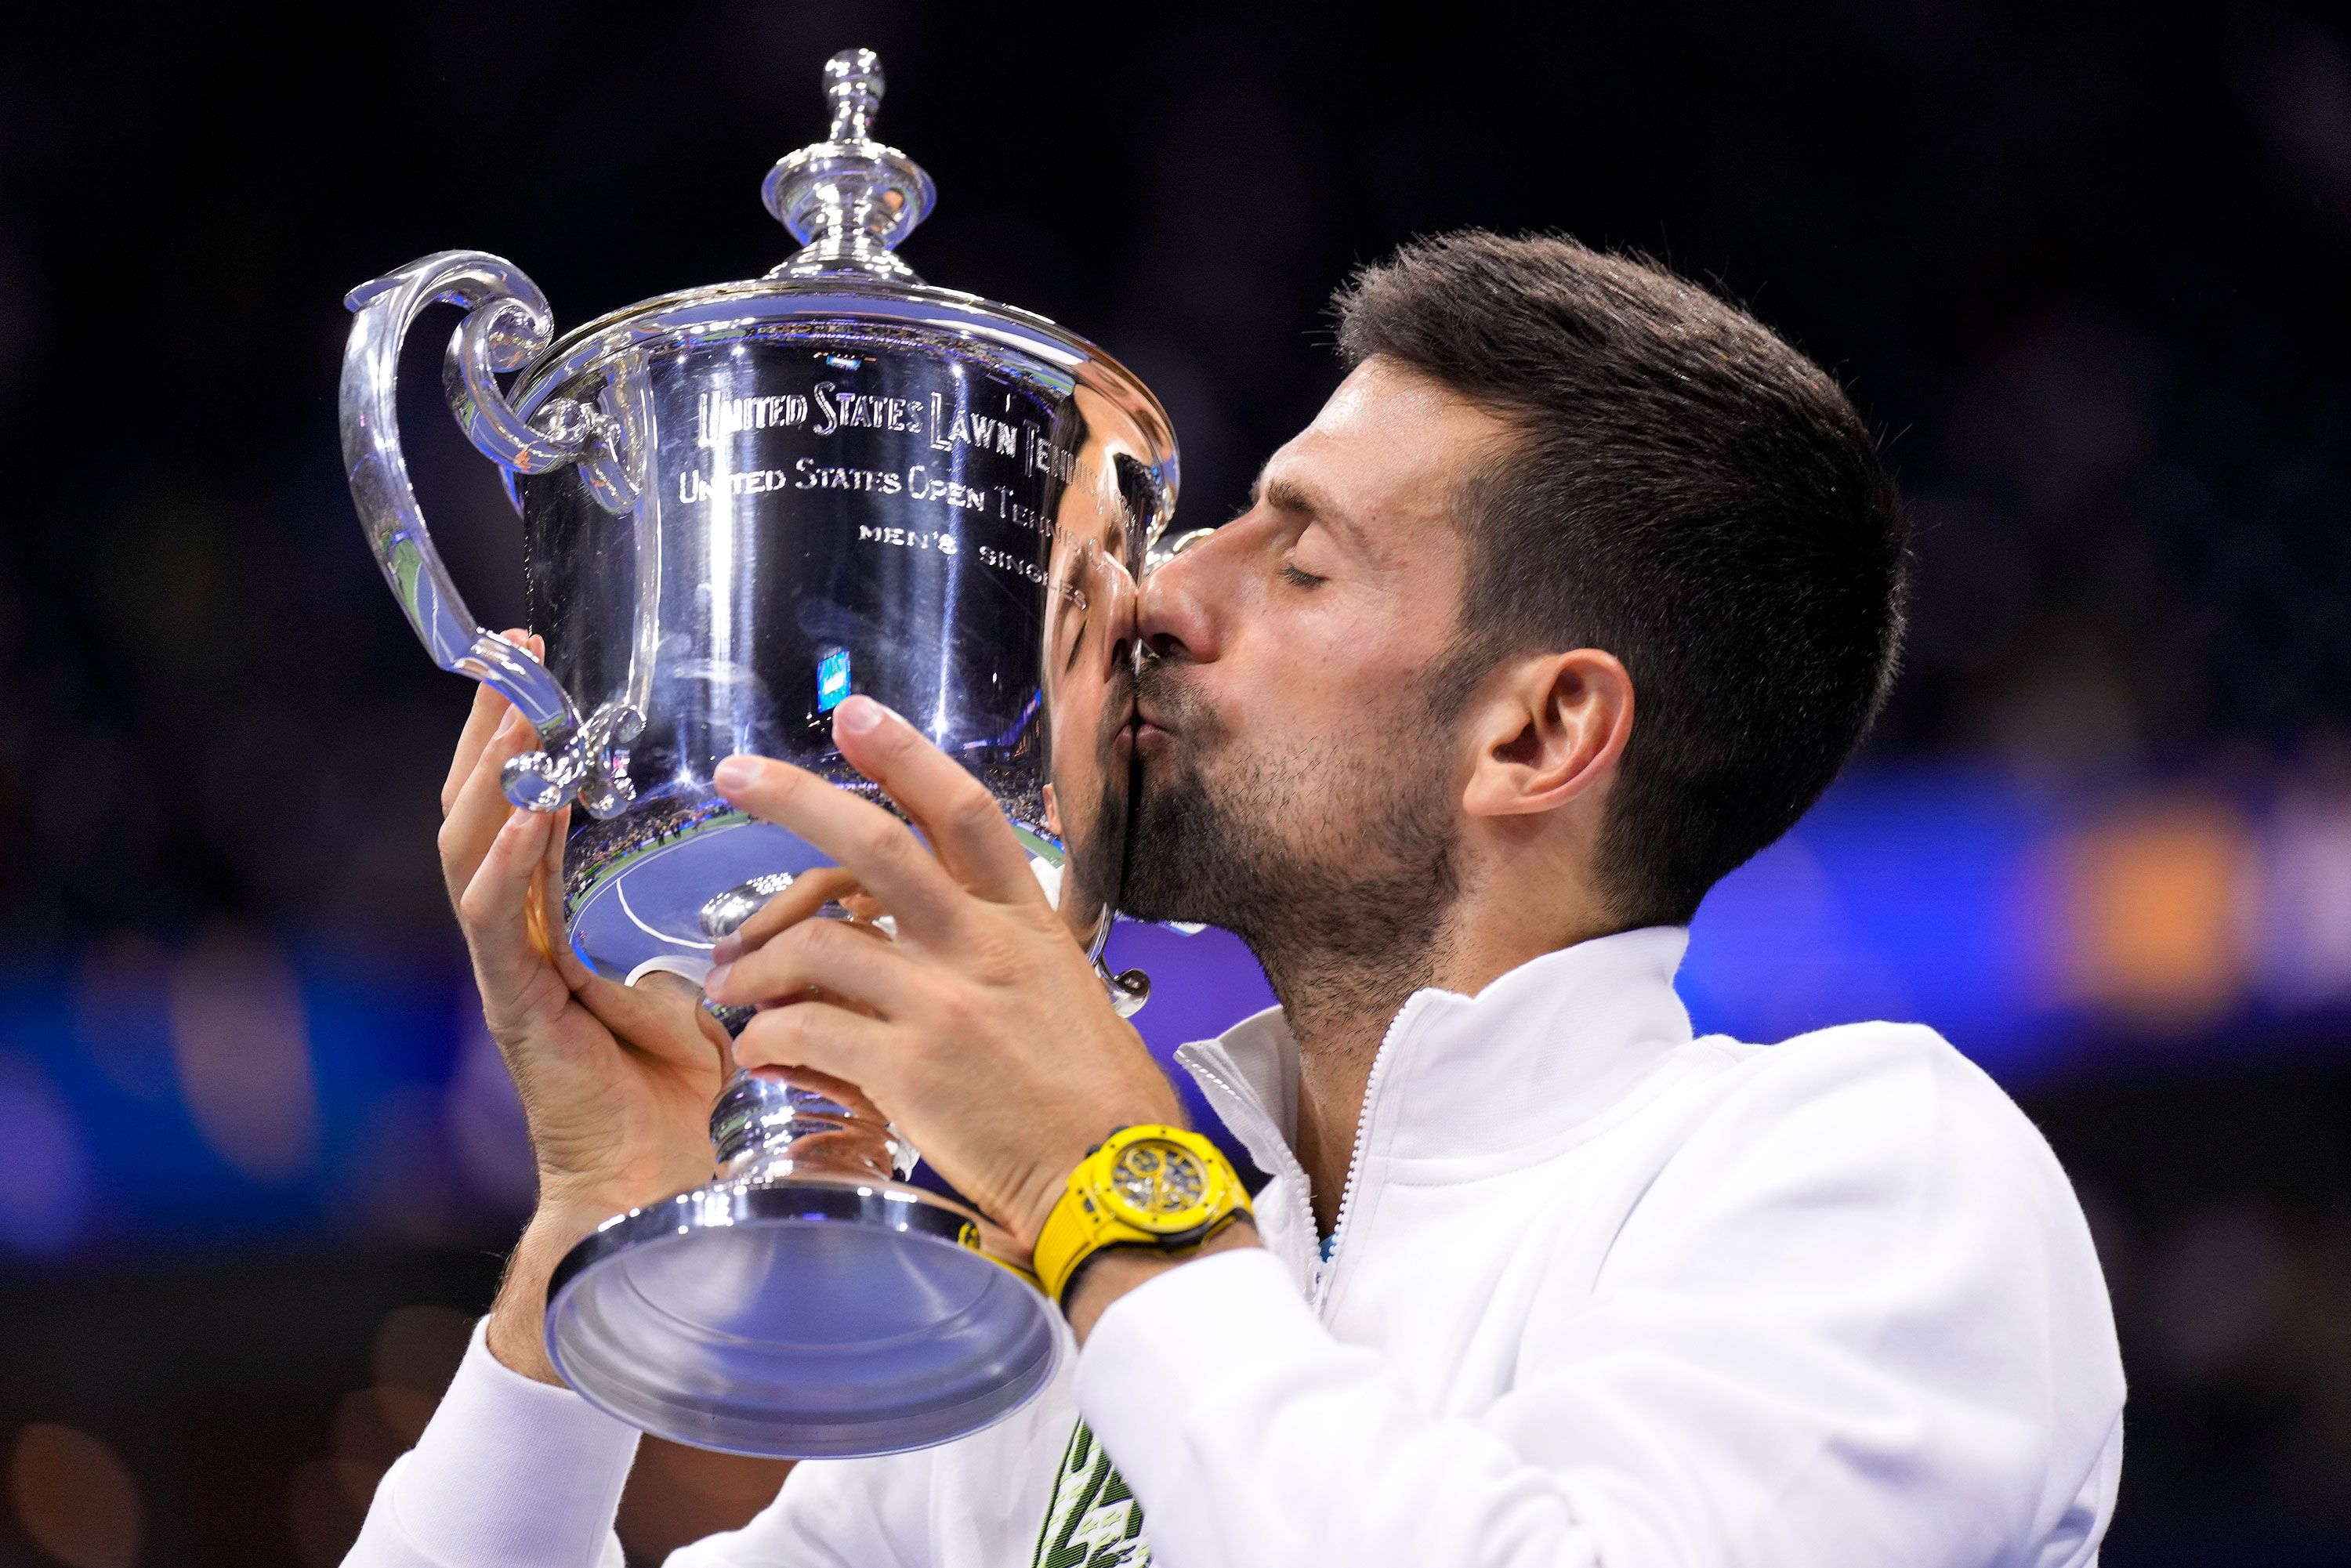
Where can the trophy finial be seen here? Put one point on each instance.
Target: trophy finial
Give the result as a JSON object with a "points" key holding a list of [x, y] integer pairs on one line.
{"points": [[852, 81], [849, 200]]}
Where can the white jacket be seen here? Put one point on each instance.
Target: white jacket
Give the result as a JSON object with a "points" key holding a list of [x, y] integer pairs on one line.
{"points": [[1601, 1293]]}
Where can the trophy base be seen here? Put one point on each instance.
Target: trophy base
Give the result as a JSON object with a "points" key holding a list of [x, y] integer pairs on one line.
{"points": [[799, 1316]]}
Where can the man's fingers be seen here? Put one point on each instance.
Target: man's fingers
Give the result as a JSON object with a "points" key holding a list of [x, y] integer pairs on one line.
{"points": [[873, 846], [825, 956], [481, 722], [546, 907], [823, 1037], [479, 811], [661, 1015], [966, 825], [492, 907]]}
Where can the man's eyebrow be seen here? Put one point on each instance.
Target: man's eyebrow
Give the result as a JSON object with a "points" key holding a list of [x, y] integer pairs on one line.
{"points": [[1285, 494]]}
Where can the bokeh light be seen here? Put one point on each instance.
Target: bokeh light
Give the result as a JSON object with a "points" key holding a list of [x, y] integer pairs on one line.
{"points": [[45, 1172], [74, 1498], [242, 1047]]}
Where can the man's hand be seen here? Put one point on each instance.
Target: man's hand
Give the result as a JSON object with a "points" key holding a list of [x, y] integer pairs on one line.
{"points": [[982, 1030], [617, 1082]]}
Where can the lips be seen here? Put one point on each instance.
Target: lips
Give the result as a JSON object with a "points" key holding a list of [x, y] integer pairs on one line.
{"points": [[1163, 704]]}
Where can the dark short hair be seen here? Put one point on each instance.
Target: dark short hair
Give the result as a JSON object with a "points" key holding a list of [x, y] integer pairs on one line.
{"points": [[1687, 493]]}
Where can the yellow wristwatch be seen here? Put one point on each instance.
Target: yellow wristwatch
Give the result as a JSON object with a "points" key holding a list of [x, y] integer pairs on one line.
{"points": [[1143, 1186]]}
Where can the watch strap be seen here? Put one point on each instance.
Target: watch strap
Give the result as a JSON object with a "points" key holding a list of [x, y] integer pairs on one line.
{"points": [[1097, 1208]]}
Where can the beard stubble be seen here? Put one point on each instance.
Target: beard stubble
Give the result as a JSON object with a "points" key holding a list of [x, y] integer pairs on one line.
{"points": [[1338, 870]]}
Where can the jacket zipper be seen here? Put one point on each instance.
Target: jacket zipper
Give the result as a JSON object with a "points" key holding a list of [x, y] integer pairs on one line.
{"points": [[1325, 1272], [1286, 1163]]}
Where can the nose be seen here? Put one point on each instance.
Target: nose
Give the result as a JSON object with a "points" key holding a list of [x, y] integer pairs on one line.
{"points": [[1177, 616]]}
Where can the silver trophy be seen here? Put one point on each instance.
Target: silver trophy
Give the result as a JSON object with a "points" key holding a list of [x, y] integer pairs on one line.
{"points": [[740, 505]]}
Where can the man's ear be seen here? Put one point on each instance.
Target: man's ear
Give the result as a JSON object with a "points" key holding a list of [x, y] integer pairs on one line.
{"points": [[1552, 729]]}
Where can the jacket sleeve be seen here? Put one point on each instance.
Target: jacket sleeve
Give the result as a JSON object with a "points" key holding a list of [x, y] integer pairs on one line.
{"points": [[1855, 1320], [509, 1473]]}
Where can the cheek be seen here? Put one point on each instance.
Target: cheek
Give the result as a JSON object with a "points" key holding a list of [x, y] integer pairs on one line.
{"points": [[1324, 684], [1325, 652], [1349, 693]]}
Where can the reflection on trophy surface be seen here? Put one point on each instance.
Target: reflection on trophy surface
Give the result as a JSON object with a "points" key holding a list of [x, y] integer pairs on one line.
{"points": [[741, 505]]}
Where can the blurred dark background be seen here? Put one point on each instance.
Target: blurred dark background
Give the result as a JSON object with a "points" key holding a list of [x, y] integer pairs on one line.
{"points": [[2083, 266]]}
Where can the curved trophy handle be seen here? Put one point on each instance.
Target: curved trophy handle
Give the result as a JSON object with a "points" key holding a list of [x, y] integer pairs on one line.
{"points": [[1129, 988], [507, 322]]}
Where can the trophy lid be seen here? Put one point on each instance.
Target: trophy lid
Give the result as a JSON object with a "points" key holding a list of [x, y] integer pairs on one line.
{"points": [[849, 199]]}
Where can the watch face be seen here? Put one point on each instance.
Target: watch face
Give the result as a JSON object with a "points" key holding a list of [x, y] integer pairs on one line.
{"points": [[1162, 1185]]}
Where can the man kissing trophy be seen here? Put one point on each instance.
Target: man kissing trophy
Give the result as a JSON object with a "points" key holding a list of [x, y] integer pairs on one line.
{"points": [[1575, 594]]}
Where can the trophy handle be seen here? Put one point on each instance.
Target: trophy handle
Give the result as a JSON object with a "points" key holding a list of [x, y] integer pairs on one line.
{"points": [[1129, 988], [506, 322]]}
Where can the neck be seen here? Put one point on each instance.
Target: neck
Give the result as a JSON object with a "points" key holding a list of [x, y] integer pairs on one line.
{"points": [[1339, 1004], [1338, 1008]]}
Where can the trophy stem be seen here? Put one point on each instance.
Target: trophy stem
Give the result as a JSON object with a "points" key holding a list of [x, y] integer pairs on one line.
{"points": [[763, 1125]]}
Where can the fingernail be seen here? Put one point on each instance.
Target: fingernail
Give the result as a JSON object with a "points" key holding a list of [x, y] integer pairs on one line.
{"points": [[726, 949], [736, 773], [713, 981], [858, 715], [507, 722]]}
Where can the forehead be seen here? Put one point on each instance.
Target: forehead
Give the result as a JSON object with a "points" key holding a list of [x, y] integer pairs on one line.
{"points": [[1386, 454]]}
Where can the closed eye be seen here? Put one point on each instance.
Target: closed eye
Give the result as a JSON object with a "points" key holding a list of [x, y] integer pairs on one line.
{"points": [[1302, 578]]}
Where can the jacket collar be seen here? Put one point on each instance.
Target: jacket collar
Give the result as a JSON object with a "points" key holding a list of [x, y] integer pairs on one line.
{"points": [[1540, 1052]]}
